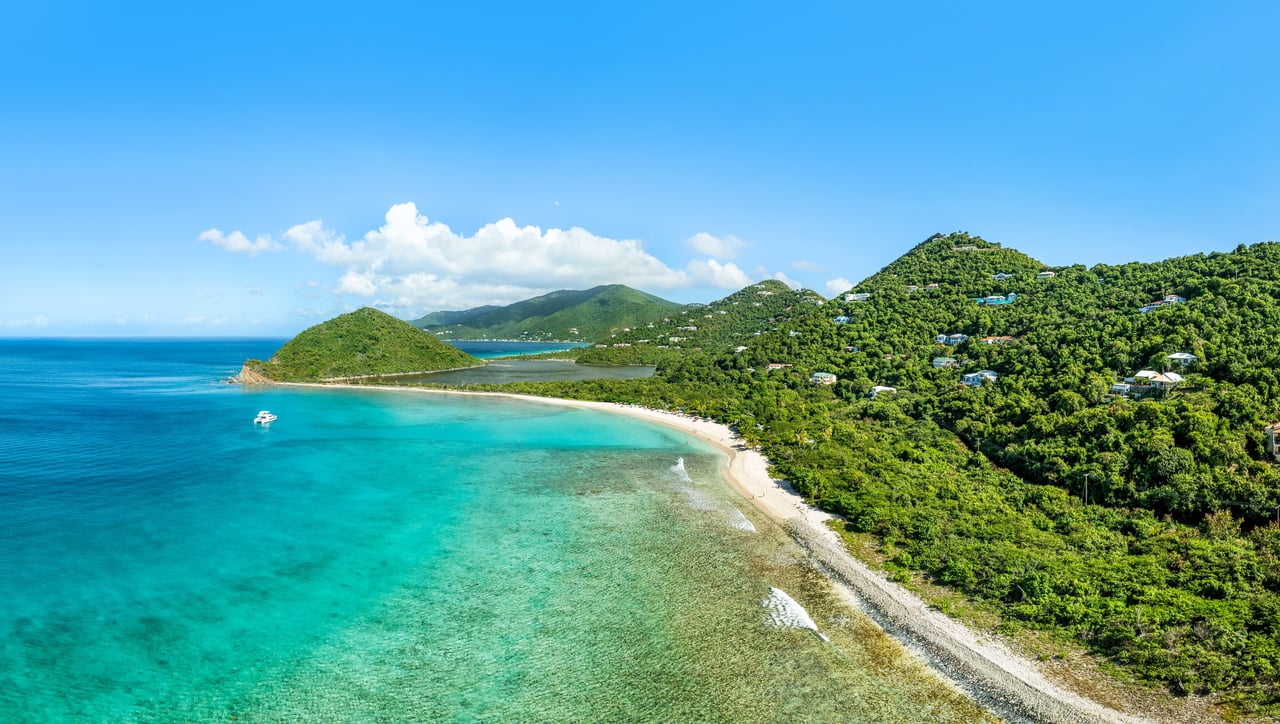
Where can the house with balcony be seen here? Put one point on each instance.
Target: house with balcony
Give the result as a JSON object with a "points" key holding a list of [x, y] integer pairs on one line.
{"points": [[975, 379], [940, 363], [996, 300], [823, 378]]}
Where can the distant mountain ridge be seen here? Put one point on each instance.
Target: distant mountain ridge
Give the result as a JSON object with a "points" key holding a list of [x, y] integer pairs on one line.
{"points": [[571, 315]]}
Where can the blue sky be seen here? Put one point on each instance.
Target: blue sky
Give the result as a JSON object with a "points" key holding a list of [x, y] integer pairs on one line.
{"points": [[374, 155]]}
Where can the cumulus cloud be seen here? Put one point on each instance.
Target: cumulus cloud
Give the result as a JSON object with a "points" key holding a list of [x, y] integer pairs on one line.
{"points": [[411, 263], [808, 266], [787, 280], [718, 247], [236, 241], [838, 286], [711, 273]]}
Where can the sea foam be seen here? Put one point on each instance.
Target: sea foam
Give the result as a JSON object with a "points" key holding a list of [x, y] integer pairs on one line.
{"points": [[782, 611], [680, 472], [701, 501], [739, 521]]}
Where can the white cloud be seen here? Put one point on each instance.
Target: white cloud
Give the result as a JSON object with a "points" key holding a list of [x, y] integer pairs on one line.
{"points": [[37, 321], [804, 265], [787, 280], [719, 247], [410, 262], [838, 286], [712, 273], [238, 242]]}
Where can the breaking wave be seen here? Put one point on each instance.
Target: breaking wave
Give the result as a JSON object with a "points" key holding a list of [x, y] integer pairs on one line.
{"points": [[680, 472], [782, 611]]}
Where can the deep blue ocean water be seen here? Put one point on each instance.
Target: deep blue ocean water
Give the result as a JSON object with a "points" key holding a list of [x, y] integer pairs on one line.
{"points": [[391, 556]]}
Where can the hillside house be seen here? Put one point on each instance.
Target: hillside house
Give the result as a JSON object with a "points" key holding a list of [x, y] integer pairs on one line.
{"points": [[739, 350], [1121, 388], [1006, 339], [912, 288], [1160, 380], [776, 366], [882, 389], [823, 378], [944, 362], [950, 339], [967, 247], [930, 286], [857, 297], [1273, 430], [997, 300], [1168, 300], [1182, 358], [851, 348], [842, 319], [975, 379], [1046, 274], [1002, 276]]}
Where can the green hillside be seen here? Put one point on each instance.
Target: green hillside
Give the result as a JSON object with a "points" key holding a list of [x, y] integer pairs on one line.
{"points": [[1140, 523], [362, 343], [564, 315], [721, 326]]}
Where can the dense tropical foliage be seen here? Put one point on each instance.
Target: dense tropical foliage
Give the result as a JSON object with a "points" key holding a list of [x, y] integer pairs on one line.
{"points": [[573, 315], [1141, 524], [362, 343]]}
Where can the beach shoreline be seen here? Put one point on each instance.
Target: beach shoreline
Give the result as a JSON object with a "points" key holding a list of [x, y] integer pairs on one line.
{"points": [[1010, 685]]}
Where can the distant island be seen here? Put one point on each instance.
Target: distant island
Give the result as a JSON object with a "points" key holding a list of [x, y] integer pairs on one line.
{"points": [[565, 315], [363, 343]]}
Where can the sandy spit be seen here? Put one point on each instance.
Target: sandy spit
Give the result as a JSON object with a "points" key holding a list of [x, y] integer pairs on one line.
{"points": [[1011, 686]]}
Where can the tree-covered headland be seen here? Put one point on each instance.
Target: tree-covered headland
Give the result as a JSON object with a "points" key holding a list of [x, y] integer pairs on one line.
{"points": [[362, 343], [1108, 479]]}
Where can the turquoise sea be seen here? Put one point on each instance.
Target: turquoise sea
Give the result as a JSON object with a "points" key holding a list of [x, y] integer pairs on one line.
{"points": [[493, 349], [393, 556]]}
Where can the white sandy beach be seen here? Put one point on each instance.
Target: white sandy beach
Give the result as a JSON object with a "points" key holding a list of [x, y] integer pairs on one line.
{"points": [[1012, 686]]}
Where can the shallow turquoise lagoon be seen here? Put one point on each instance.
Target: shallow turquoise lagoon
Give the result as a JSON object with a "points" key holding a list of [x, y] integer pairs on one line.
{"points": [[395, 556]]}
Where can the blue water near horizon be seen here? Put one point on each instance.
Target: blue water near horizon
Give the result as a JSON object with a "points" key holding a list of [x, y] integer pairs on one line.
{"points": [[496, 349], [391, 555]]}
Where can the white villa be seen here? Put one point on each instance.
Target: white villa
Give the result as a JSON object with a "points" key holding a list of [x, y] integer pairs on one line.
{"points": [[975, 379], [879, 389]]}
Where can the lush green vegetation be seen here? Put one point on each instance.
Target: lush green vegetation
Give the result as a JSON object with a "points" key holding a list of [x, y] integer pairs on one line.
{"points": [[363, 342], [1171, 566], [564, 315], [736, 321]]}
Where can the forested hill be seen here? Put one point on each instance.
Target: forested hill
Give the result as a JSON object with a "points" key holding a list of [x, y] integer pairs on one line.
{"points": [[737, 320], [1185, 447], [1138, 521], [564, 315], [362, 343]]}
